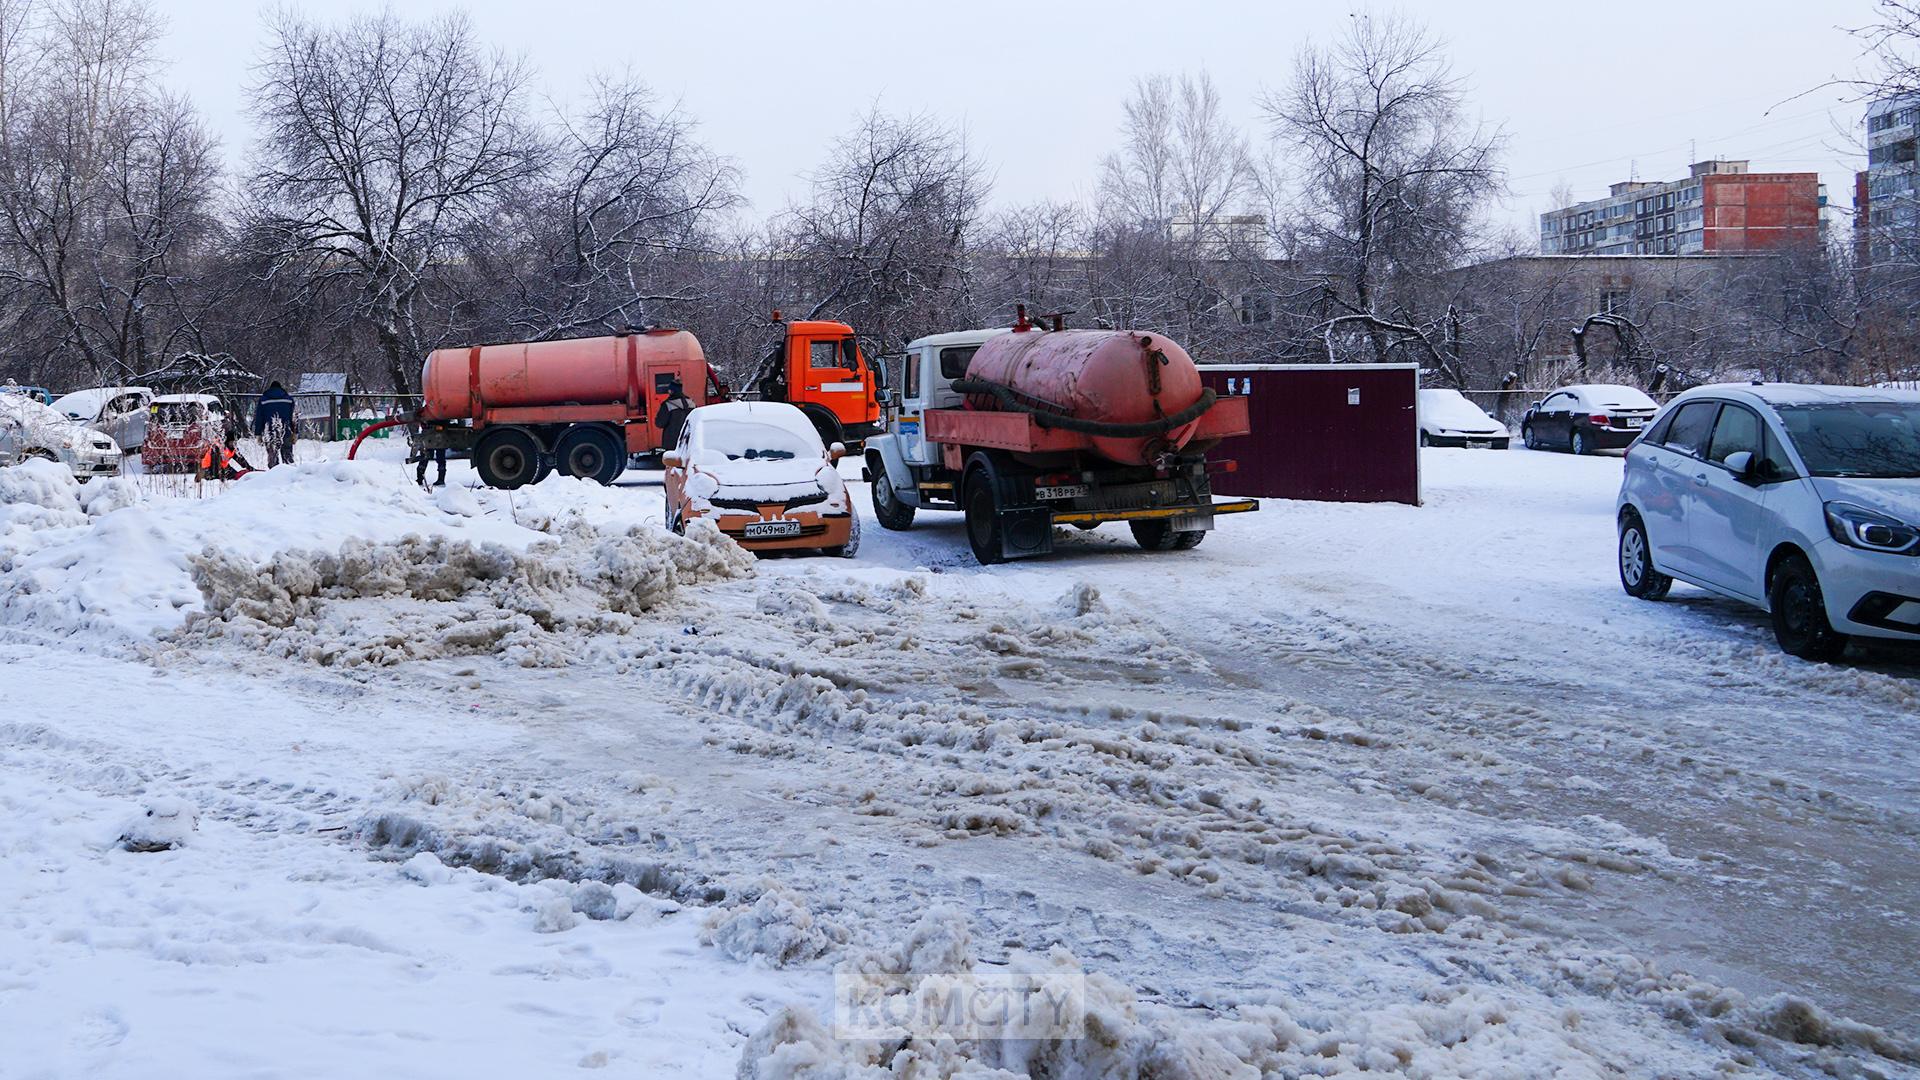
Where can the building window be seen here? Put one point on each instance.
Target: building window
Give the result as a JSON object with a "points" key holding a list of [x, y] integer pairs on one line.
{"points": [[1892, 153], [1614, 301]]}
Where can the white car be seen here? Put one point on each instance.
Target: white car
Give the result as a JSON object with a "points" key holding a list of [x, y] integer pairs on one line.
{"points": [[759, 471], [119, 412], [1447, 418], [1803, 501], [29, 429]]}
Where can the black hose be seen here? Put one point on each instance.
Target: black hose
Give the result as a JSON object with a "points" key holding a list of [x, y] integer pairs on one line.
{"points": [[1009, 398]]}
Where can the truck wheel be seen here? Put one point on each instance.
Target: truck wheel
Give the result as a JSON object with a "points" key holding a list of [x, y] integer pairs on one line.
{"points": [[507, 458], [827, 424], [982, 505], [1160, 535], [590, 453], [888, 510]]}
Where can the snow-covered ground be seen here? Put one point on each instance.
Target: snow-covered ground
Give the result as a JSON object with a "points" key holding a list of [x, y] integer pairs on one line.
{"points": [[493, 783]]}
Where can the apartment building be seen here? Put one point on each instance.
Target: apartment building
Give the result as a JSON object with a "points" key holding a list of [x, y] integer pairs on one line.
{"points": [[1721, 207]]}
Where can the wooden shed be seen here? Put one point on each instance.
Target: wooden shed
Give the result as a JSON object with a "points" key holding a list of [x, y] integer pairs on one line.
{"points": [[1329, 432]]}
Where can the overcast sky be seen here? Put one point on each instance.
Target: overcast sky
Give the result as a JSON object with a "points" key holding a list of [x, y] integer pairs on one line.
{"points": [[1588, 94]]}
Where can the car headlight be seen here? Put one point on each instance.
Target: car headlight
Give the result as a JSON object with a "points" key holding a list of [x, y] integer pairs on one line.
{"points": [[702, 486], [1857, 526]]}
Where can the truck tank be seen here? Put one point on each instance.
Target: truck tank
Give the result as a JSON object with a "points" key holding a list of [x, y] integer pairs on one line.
{"points": [[457, 383], [1136, 394]]}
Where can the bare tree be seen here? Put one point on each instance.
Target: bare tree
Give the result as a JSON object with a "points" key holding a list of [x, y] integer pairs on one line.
{"points": [[627, 206], [1391, 174], [382, 140], [106, 184], [884, 240]]}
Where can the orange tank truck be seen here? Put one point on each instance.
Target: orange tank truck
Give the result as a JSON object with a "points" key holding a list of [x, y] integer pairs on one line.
{"points": [[579, 405]]}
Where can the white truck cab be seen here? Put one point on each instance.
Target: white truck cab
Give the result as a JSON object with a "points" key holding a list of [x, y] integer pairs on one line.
{"points": [[902, 456]]}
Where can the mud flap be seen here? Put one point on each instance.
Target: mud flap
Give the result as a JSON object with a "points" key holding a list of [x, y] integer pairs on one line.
{"points": [[1200, 522], [1026, 531]]}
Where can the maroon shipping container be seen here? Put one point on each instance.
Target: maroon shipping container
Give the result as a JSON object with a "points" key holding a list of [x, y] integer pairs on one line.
{"points": [[1331, 432]]}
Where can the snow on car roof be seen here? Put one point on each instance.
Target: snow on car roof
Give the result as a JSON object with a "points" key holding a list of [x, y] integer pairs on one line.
{"points": [[1612, 394], [88, 402], [31, 413], [1809, 393], [771, 413]]}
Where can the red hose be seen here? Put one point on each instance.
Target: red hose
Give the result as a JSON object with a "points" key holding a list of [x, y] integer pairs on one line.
{"points": [[368, 430]]}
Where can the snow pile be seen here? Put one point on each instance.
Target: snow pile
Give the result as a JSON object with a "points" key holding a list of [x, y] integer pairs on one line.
{"points": [[1122, 1036], [106, 562], [776, 927], [165, 824], [424, 597], [37, 494]]}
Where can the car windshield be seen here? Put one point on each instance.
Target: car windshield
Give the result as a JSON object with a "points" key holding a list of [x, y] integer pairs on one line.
{"points": [[1867, 439], [757, 442]]}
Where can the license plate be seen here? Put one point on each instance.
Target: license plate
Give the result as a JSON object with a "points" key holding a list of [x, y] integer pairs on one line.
{"points": [[1634, 422], [763, 529], [1478, 444], [1062, 491]]}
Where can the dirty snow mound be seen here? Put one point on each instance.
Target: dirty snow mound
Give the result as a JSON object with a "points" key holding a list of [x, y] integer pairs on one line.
{"points": [[1120, 1037], [777, 927], [424, 597]]}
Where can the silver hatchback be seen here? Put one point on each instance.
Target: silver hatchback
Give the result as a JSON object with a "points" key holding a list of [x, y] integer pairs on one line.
{"points": [[1801, 500]]}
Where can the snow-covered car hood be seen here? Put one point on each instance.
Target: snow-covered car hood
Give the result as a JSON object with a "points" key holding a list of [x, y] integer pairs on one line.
{"points": [[1899, 497]]}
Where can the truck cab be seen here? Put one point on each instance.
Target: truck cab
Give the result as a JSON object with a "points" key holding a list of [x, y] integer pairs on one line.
{"points": [[926, 382], [819, 367]]}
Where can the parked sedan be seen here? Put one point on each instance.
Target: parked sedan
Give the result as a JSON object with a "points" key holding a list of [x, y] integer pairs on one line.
{"points": [[1803, 501], [29, 429], [1447, 418], [759, 470], [1584, 418]]}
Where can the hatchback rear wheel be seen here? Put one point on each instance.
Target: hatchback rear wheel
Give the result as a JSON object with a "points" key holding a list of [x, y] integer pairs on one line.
{"points": [[1637, 574]]}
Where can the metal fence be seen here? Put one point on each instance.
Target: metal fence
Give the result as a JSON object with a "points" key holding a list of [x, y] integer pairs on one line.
{"points": [[331, 417]]}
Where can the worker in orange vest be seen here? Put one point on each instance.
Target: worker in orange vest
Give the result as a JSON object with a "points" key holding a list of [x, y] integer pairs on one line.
{"points": [[219, 463]]}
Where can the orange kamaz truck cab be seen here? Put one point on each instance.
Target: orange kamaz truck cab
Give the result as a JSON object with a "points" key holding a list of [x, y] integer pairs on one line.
{"points": [[819, 367]]}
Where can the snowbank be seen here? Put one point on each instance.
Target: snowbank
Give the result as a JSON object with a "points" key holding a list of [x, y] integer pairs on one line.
{"points": [[424, 597], [115, 563]]}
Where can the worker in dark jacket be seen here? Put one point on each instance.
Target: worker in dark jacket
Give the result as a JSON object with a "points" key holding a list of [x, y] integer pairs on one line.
{"points": [[672, 415], [273, 423]]}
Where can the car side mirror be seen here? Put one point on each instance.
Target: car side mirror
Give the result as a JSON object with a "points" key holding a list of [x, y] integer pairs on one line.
{"points": [[672, 460], [836, 451], [1742, 463], [884, 398]]}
